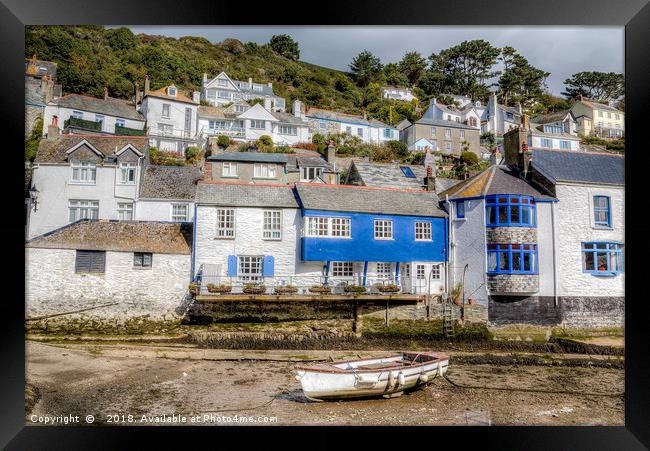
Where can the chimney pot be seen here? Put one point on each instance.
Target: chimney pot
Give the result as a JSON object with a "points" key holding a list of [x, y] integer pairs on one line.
{"points": [[250, 81], [146, 85], [105, 92]]}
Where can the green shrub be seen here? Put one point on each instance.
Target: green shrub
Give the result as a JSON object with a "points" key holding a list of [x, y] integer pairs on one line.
{"points": [[382, 154], [192, 154], [223, 141], [318, 139], [34, 139], [264, 141], [399, 148], [245, 146], [469, 158]]}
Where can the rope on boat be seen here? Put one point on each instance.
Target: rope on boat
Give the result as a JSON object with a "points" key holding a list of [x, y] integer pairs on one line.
{"points": [[278, 394], [534, 390]]}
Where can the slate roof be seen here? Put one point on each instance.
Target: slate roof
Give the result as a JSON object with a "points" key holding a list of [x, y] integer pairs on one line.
{"points": [[162, 93], [258, 157], [109, 107], [40, 68], [443, 123], [401, 125], [297, 161], [535, 129], [389, 175], [244, 86], [584, 167], [53, 149], [211, 111], [601, 106], [318, 113], [287, 118], [550, 117], [494, 180], [368, 200], [169, 182], [121, 236], [245, 195]]}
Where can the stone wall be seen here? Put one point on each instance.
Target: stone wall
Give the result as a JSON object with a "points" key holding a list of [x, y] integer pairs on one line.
{"points": [[582, 312], [513, 283], [53, 287], [513, 235]]}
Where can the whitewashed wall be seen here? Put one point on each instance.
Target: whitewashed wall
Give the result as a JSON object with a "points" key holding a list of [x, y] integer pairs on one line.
{"points": [[160, 210], [575, 221], [545, 247], [152, 108], [555, 142], [53, 287], [64, 114], [56, 189]]}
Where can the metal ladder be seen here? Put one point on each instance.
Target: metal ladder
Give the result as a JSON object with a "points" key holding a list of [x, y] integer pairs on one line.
{"points": [[447, 319]]}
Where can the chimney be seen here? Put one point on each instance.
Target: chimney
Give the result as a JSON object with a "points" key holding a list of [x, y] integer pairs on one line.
{"points": [[430, 179], [297, 109], [267, 104], [146, 85], [330, 152], [519, 109], [53, 129], [270, 85], [55, 121], [515, 146], [250, 82], [49, 90], [196, 96], [495, 156], [205, 78], [580, 97], [105, 92], [433, 101]]}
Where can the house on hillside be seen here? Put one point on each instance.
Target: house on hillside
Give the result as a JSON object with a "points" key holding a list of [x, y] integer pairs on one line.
{"points": [[84, 177], [598, 119], [314, 234], [540, 239], [172, 118], [264, 168], [557, 122], [441, 135], [222, 90], [394, 93], [399, 176], [81, 114], [40, 89], [369, 131], [109, 271]]}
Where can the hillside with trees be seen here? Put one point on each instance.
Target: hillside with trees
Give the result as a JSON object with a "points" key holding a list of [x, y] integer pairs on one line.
{"points": [[90, 58]]}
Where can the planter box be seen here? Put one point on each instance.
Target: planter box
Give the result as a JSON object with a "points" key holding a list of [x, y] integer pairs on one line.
{"points": [[286, 290], [354, 290], [385, 289], [219, 289], [254, 290], [321, 290]]}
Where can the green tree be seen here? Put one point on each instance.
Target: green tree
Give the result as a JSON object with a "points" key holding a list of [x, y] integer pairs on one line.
{"points": [[265, 142], [469, 158], [394, 77], [399, 148], [467, 67], [284, 45], [223, 141], [121, 38], [599, 86], [413, 67], [519, 81], [33, 140], [366, 68]]}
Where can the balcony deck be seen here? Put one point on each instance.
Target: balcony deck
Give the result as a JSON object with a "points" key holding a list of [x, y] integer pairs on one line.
{"points": [[399, 299]]}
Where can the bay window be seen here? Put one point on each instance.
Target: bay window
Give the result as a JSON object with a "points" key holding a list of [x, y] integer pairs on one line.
{"points": [[512, 259], [510, 211]]}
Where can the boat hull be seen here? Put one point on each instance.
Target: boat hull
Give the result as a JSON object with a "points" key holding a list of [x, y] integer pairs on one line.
{"points": [[321, 384]]}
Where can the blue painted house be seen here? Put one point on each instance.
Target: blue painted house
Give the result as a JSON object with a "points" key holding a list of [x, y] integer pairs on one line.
{"points": [[374, 235]]}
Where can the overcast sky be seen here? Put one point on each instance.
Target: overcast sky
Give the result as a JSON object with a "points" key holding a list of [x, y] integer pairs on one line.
{"points": [[562, 51]]}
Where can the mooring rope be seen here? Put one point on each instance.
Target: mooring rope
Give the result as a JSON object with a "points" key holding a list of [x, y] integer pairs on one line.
{"points": [[533, 390]]}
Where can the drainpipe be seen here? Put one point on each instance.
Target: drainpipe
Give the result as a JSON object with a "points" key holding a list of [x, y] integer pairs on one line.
{"points": [[396, 272], [554, 255], [193, 244], [365, 272], [327, 271], [451, 256]]}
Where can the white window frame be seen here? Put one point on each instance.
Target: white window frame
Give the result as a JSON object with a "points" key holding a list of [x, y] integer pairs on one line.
{"points": [[309, 173], [256, 122], [348, 130], [120, 122], [423, 231], [169, 109], [342, 269], [289, 130], [383, 229], [447, 133], [246, 266], [420, 272], [126, 169], [462, 134], [448, 145], [78, 114], [229, 169], [225, 226], [125, 211], [83, 209], [177, 215], [86, 172], [272, 225], [435, 272], [384, 270], [172, 91], [264, 171], [101, 119], [328, 227]]}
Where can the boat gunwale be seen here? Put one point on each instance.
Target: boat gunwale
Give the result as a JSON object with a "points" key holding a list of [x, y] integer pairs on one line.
{"points": [[438, 359]]}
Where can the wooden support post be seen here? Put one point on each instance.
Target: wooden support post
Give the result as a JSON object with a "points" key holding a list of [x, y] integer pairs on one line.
{"points": [[387, 313], [357, 323]]}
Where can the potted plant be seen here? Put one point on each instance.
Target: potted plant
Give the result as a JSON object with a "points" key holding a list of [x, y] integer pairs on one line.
{"points": [[286, 289], [223, 288], [456, 293], [193, 288], [251, 288], [471, 301], [321, 289], [388, 288], [354, 289]]}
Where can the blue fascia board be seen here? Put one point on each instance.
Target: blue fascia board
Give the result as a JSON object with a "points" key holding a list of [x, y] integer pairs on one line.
{"points": [[363, 247]]}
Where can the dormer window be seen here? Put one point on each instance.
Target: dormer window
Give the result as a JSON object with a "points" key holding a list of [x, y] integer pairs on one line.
{"points": [[171, 91], [83, 172], [257, 87], [222, 82]]}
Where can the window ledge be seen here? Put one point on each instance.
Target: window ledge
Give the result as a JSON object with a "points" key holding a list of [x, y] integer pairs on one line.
{"points": [[603, 274], [142, 268], [224, 237], [272, 239], [596, 227], [229, 176], [83, 183], [460, 220]]}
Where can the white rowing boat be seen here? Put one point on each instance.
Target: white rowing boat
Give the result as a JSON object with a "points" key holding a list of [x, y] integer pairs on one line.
{"points": [[384, 376]]}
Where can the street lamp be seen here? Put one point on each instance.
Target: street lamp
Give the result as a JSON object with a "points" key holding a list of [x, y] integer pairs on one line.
{"points": [[33, 194]]}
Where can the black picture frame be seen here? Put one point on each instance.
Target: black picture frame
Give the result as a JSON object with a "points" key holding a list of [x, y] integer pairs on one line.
{"points": [[633, 14]]}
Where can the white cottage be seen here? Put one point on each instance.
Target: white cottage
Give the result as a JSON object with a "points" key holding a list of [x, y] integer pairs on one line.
{"points": [[84, 177], [109, 272], [222, 90]]}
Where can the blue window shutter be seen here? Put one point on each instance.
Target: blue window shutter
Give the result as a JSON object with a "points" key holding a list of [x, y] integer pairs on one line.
{"points": [[232, 265], [268, 267]]}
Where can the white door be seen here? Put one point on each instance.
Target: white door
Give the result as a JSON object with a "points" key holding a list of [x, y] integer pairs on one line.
{"points": [[405, 277]]}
